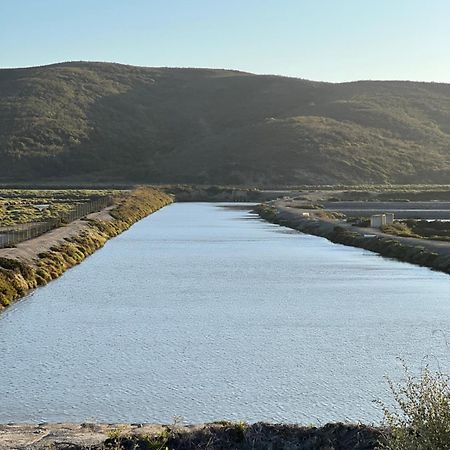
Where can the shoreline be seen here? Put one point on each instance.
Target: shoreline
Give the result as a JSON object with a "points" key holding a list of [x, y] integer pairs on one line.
{"points": [[432, 254], [223, 435], [38, 261]]}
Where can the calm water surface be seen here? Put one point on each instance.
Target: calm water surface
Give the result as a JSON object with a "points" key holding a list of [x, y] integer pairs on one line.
{"points": [[206, 312]]}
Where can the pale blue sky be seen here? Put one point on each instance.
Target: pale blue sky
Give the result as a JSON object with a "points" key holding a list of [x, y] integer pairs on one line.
{"points": [[330, 40]]}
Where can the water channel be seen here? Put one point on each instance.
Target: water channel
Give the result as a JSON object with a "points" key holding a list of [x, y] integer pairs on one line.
{"points": [[203, 311]]}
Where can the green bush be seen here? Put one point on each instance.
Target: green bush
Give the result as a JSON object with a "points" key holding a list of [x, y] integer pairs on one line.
{"points": [[421, 418]]}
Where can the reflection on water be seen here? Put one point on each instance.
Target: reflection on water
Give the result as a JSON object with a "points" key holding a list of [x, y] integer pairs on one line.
{"points": [[198, 313]]}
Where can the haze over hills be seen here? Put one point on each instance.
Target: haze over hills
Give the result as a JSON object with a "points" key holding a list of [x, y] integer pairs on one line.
{"points": [[110, 122]]}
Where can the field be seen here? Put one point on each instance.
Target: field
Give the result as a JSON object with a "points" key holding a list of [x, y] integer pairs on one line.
{"points": [[22, 206]]}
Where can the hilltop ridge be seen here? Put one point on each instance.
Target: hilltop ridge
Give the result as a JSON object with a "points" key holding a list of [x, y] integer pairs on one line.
{"points": [[98, 121]]}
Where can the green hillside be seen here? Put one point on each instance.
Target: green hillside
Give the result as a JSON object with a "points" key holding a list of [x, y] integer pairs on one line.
{"points": [[108, 122]]}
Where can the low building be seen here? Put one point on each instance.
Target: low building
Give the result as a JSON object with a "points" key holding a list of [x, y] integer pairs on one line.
{"points": [[389, 218], [377, 220]]}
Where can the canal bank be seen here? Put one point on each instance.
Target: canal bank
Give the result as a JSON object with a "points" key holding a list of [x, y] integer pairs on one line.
{"points": [[221, 435], [36, 262], [432, 254]]}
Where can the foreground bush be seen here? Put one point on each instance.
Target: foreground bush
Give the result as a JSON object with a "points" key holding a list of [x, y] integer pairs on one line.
{"points": [[421, 418]]}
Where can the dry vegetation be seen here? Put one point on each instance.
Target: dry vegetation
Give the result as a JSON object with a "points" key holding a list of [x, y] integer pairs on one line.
{"points": [[110, 122], [19, 206], [434, 230], [16, 277], [227, 435], [399, 229], [421, 418]]}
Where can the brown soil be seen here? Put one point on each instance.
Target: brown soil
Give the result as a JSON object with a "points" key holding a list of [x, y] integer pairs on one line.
{"points": [[215, 436]]}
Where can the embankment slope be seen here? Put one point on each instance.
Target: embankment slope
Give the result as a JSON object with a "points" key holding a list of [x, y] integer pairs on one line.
{"points": [[215, 436], [435, 255], [36, 262]]}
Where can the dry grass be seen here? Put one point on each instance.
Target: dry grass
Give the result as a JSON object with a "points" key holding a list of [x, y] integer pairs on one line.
{"points": [[19, 206], [16, 278], [399, 229]]}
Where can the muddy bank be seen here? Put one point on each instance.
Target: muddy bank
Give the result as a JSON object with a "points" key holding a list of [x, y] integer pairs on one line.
{"points": [[435, 255], [36, 262], [214, 436]]}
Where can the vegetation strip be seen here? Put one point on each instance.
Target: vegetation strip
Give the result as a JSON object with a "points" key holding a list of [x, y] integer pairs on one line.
{"points": [[218, 435], [389, 247], [18, 277]]}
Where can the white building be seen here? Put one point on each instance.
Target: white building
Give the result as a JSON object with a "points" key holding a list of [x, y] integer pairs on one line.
{"points": [[389, 218], [378, 220]]}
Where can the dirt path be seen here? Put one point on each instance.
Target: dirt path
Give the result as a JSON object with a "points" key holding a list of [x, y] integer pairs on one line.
{"points": [[440, 247], [27, 251]]}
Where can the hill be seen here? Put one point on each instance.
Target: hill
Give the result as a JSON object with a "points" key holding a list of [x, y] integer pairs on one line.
{"points": [[109, 122]]}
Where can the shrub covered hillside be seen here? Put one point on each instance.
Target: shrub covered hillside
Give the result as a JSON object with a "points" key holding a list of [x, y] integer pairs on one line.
{"points": [[110, 122]]}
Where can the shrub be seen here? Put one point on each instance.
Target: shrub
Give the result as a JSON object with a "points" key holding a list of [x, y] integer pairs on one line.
{"points": [[421, 417], [399, 229]]}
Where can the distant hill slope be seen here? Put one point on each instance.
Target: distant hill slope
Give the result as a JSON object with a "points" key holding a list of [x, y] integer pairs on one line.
{"points": [[110, 122]]}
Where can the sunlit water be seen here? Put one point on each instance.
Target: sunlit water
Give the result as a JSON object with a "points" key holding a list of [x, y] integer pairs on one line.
{"points": [[207, 312]]}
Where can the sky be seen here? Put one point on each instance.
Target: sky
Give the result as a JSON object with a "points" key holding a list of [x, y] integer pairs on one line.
{"points": [[326, 40]]}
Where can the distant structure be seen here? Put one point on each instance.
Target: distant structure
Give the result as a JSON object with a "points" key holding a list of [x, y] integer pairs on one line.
{"points": [[378, 220], [389, 218]]}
